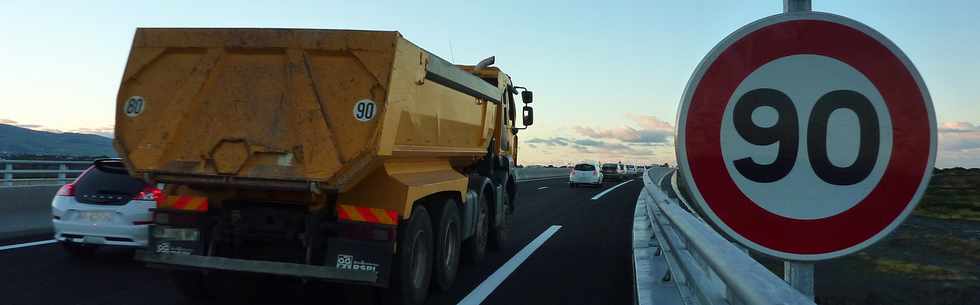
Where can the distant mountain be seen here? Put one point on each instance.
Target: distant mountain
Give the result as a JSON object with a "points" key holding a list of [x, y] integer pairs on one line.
{"points": [[17, 140]]}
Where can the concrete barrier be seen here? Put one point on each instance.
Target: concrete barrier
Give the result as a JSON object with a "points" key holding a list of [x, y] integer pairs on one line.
{"points": [[25, 210], [524, 174]]}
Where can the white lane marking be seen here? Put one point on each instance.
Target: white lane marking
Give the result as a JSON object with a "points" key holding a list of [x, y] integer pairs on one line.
{"points": [[599, 195], [543, 188], [481, 292], [30, 244]]}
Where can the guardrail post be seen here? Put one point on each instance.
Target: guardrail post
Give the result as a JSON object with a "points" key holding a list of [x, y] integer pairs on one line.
{"points": [[62, 173], [8, 176], [799, 275]]}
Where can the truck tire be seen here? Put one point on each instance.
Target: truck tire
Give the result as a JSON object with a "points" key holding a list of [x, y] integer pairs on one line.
{"points": [[498, 234], [447, 243], [412, 270], [475, 248]]}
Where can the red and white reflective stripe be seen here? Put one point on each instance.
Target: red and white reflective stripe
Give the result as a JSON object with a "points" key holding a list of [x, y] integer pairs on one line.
{"points": [[370, 215], [188, 203]]}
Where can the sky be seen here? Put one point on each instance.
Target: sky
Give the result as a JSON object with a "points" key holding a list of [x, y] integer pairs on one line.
{"points": [[607, 77]]}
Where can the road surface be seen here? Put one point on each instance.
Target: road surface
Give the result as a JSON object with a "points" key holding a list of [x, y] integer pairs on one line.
{"points": [[586, 261]]}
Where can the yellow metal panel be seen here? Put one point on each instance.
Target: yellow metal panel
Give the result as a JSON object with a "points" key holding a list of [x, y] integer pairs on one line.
{"points": [[398, 184], [278, 104]]}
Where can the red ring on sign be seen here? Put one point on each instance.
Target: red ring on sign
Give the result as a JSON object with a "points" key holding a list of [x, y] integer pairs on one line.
{"points": [[902, 176]]}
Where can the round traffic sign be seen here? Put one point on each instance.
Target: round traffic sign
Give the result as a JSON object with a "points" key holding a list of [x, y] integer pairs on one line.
{"points": [[806, 136]]}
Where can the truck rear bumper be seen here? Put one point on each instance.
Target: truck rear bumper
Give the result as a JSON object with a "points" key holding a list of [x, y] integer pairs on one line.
{"points": [[257, 266]]}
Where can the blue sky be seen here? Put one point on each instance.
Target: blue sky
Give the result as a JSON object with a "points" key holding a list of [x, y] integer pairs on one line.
{"points": [[607, 76]]}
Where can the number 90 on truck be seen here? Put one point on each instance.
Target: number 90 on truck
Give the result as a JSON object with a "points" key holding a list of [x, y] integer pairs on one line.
{"points": [[340, 155]]}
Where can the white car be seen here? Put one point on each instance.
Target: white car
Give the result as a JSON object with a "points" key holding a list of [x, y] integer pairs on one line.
{"points": [[586, 172], [103, 206]]}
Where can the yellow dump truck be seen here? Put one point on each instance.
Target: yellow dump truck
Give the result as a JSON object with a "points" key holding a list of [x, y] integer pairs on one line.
{"points": [[340, 155]]}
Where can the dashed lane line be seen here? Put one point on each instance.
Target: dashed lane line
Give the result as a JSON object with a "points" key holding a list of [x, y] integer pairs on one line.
{"points": [[481, 292], [603, 193]]}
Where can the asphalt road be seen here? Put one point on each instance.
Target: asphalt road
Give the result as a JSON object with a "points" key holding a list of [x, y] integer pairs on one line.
{"points": [[587, 261]]}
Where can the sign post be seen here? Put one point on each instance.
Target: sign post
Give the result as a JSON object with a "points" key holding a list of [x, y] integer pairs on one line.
{"points": [[798, 274], [806, 136]]}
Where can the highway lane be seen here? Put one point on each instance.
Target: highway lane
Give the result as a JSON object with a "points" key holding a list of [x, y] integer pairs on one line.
{"points": [[587, 261]]}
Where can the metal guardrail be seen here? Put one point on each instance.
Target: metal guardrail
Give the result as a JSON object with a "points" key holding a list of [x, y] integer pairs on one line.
{"points": [[63, 174], [672, 245], [15, 177]]}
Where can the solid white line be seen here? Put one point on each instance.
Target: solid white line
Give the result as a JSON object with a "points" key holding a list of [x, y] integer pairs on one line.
{"points": [[30, 244], [599, 195], [481, 292], [543, 188]]}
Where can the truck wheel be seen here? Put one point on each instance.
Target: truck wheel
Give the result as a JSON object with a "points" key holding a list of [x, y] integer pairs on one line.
{"points": [[476, 245], [498, 235], [413, 262], [447, 244]]}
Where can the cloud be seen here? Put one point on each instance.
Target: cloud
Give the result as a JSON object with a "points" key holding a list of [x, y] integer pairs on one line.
{"points": [[959, 145], [105, 131], [554, 141], [651, 131], [645, 139], [959, 136], [957, 127]]}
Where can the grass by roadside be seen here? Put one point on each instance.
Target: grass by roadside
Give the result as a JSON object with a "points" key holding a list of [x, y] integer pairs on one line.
{"points": [[953, 193]]}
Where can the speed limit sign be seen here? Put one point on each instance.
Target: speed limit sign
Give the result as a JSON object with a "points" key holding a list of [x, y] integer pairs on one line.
{"points": [[806, 136]]}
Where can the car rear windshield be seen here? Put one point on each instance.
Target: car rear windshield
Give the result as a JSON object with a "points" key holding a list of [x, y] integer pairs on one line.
{"points": [[107, 183], [584, 167], [609, 166]]}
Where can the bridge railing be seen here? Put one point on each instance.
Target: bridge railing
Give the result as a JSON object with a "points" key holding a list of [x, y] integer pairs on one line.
{"points": [[673, 247], [38, 173]]}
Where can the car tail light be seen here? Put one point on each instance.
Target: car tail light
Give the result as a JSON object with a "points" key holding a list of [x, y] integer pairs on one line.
{"points": [[66, 190], [149, 193]]}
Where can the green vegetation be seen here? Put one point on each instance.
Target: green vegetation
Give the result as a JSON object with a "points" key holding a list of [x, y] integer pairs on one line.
{"points": [[952, 194], [916, 270]]}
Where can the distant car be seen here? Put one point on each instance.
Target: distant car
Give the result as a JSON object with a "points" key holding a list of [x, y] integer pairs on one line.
{"points": [[613, 171], [103, 207], [586, 172]]}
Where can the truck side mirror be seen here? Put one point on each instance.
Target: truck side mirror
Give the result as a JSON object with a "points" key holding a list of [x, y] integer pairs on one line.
{"points": [[527, 96], [528, 115]]}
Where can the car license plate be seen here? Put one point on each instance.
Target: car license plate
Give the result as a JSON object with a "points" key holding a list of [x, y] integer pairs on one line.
{"points": [[95, 216], [179, 234]]}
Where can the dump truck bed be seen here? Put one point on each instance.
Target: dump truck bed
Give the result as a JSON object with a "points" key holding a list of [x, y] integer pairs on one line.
{"points": [[288, 107]]}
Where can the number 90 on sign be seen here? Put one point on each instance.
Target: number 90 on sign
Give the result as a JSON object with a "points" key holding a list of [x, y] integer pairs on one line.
{"points": [[806, 150]]}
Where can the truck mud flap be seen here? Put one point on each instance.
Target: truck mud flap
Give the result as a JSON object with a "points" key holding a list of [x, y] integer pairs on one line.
{"points": [[360, 256], [257, 266]]}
